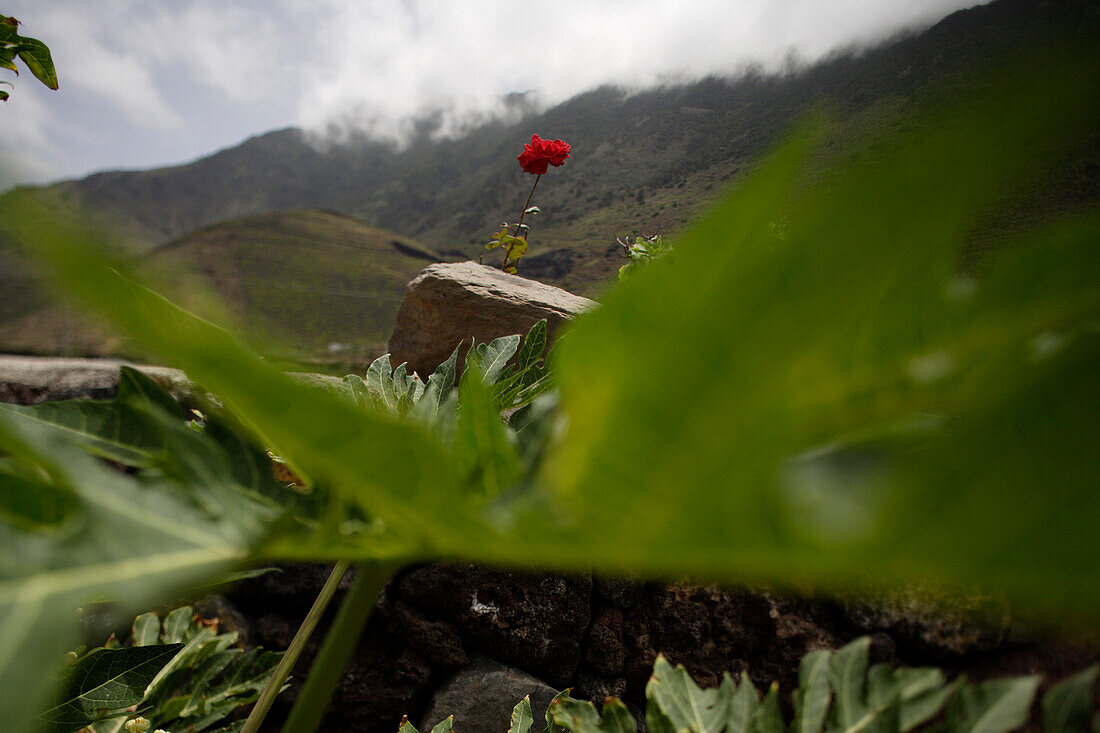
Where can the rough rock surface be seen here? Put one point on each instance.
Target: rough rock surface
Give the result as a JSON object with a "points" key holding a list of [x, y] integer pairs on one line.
{"points": [[449, 302], [481, 698], [436, 625], [28, 380], [536, 622]]}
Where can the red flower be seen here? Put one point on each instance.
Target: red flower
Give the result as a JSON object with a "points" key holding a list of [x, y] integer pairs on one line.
{"points": [[539, 153]]}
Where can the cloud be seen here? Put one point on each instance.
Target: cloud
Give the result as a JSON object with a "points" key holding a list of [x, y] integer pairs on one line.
{"points": [[28, 152], [378, 67], [93, 57], [148, 83]]}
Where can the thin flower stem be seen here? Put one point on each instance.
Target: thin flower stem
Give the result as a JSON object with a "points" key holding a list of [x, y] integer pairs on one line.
{"points": [[519, 224], [527, 205], [290, 656]]}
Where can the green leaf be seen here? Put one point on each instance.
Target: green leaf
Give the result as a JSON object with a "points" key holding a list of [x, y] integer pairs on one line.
{"points": [[551, 725], [379, 381], [855, 413], [398, 470], [580, 716], [534, 347], [431, 405], [847, 670], [103, 684], [176, 625], [356, 389], [767, 717], [405, 726], [9, 28], [811, 700], [7, 59], [1067, 706], [491, 358], [122, 429], [146, 629], [127, 539], [445, 726], [743, 701], [516, 248], [923, 695], [483, 446], [37, 57], [995, 706], [528, 377], [522, 719], [685, 705]]}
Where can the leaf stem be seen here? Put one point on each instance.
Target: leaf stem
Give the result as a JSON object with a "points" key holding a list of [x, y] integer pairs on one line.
{"points": [[282, 671], [340, 642]]}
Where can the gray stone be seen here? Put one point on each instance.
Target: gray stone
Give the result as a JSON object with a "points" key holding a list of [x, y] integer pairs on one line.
{"points": [[447, 303], [28, 380], [481, 698]]}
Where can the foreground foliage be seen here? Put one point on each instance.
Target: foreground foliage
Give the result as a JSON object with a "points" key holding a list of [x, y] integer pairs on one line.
{"points": [[838, 692], [31, 51], [178, 673], [840, 405]]}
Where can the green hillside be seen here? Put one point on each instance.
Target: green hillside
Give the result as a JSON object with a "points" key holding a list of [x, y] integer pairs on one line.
{"points": [[306, 279], [309, 278]]}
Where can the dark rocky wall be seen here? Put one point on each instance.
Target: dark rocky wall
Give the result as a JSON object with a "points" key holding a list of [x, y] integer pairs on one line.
{"points": [[601, 636]]}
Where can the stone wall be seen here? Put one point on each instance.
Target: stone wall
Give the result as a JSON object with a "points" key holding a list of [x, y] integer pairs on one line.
{"points": [[446, 633]]}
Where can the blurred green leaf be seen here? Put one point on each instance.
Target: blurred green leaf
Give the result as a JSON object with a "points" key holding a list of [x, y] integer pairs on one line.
{"points": [[811, 699], [1067, 706], [995, 706], [842, 405], [483, 446], [767, 717], [580, 716], [75, 530], [859, 409]]}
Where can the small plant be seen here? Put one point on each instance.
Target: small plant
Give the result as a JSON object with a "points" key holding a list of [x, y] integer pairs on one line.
{"points": [[537, 155], [178, 674], [642, 251], [512, 385], [837, 693], [31, 51]]}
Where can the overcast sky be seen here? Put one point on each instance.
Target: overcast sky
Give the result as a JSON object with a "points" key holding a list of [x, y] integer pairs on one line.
{"points": [[146, 83]]}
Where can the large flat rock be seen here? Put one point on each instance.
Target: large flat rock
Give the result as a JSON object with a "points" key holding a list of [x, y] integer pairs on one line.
{"points": [[450, 302], [30, 379]]}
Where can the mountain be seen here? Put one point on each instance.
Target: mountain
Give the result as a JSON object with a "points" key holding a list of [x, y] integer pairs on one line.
{"points": [[642, 163], [314, 281]]}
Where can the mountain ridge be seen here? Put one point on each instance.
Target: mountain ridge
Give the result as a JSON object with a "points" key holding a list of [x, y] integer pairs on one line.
{"points": [[643, 162]]}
